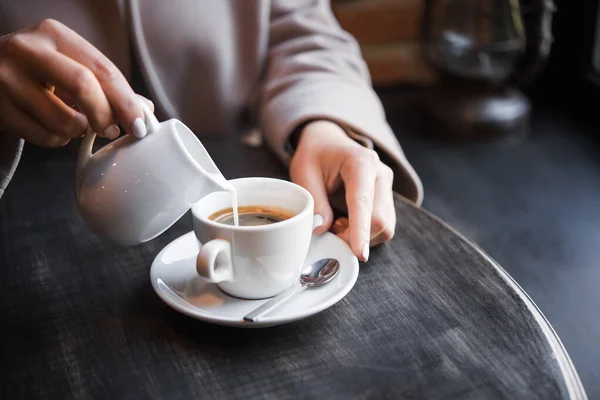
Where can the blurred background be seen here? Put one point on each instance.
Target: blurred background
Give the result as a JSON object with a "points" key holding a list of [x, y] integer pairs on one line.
{"points": [[496, 104], [389, 35]]}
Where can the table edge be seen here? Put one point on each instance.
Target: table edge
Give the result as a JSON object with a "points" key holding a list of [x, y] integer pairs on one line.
{"points": [[572, 380]]}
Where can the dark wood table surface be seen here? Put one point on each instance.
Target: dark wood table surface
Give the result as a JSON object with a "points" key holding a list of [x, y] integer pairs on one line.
{"points": [[531, 202], [431, 315]]}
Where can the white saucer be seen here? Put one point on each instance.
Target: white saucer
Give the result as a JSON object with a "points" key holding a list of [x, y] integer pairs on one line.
{"points": [[174, 279]]}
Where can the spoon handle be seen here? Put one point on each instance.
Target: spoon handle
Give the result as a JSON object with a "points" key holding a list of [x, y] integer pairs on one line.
{"points": [[274, 302]]}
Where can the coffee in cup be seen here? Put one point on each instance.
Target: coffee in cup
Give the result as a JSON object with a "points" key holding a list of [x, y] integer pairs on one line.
{"points": [[252, 215]]}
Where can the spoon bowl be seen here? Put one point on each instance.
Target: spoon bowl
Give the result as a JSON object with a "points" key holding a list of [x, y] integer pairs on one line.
{"points": [[320, 272], [316, 274]]}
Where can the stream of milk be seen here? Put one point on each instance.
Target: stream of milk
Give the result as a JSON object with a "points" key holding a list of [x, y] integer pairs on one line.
{"points": [[229, 187], [234, 205]]}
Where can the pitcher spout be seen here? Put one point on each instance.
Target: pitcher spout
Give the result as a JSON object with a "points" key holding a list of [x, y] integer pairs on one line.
{"points": [[210, 179], [207, 184], [219, 183]]}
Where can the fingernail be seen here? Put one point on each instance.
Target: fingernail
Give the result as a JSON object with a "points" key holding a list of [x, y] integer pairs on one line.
{"points": [[318, 220], [112, 132], [365, 251], [138, 128]]}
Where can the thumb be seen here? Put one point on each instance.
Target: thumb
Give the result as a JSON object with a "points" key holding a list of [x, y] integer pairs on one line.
{"points": [[311, 178]]}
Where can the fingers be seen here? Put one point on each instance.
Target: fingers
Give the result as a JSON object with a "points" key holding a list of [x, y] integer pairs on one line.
{"points": [[359, 173], [84, 88], [310, 177], [367, 183], [39, 58], [59, 57], [382, 214], [43, 106], [116, 88], [383, 218], [23, 125]]}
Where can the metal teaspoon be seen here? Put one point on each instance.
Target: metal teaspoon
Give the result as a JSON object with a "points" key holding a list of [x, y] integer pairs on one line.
{"points": [[316, 274]]}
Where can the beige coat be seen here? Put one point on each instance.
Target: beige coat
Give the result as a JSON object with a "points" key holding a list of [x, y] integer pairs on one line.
{"points": [[212, 62]]}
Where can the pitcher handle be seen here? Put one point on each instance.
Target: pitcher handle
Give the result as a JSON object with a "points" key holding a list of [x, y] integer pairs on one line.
{"points": [[85, 149], [152, 123]]}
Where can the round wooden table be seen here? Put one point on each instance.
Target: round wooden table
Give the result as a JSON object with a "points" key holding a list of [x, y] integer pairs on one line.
{"points": [[431, 315]]}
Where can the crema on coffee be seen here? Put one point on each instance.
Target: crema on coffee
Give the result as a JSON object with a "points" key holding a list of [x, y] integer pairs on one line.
{"points": [[252, 215]]}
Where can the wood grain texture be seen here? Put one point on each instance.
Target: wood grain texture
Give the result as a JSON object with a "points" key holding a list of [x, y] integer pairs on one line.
{"points": [[530, 201], [376, 22], [398, 63], [388, 32], [430, 316]]}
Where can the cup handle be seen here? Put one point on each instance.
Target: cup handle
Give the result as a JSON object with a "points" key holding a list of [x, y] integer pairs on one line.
{"points": [[214, 261]]}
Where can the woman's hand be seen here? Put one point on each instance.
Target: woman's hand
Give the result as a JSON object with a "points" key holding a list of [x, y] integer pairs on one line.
{"points": [[49, 70], [325, 158]]}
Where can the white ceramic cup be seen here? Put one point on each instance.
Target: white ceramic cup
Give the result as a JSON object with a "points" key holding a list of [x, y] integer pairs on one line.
{"points": [[254, 262]]}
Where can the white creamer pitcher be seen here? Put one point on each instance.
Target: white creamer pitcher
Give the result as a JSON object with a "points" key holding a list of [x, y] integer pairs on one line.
{"points": [[132, 190]]}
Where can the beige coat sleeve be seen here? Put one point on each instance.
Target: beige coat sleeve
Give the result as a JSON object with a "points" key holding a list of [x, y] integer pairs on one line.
{"points": [[315, 70]]}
